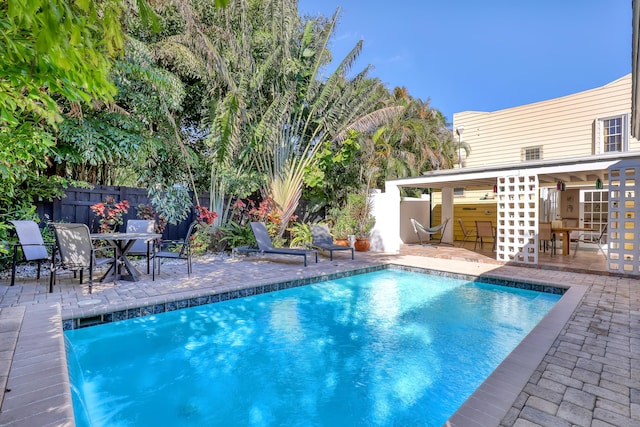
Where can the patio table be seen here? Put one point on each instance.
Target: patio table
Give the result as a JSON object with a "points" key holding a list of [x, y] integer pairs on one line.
{"points": [[122, 242], [566, 236]]}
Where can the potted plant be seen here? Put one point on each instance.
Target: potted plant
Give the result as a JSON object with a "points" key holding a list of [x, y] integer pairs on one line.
{"points": [[360, 207], [343, 225]]}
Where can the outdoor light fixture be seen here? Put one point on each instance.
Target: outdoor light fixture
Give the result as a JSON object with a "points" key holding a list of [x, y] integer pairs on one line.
{"points": [[598, 184], [495, 188], [560, 186], [459, 130]]}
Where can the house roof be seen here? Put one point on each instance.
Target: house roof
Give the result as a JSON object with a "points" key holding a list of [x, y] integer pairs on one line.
{"points": [[572, 172]]}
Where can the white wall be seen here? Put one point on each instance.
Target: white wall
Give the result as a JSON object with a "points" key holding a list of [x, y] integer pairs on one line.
{"points": [[393, 225], [413, 208]]}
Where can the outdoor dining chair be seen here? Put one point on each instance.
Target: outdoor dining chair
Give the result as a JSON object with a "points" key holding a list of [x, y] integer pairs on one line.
{"points": [[588, 238], [484, 229], [546, 237], [32, 245], [171, 249], [465, 231], [141, 247], [74, 251]]}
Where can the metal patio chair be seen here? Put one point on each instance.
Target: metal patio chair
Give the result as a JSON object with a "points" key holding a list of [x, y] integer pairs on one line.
{"points": [[465, 231], [587, 238], [32, 246], [74, 251], [484, 229], [265, 246], [172, 249], [141, 247]]}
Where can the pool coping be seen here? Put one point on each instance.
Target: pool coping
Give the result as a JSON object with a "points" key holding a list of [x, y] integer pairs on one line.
{"points": [[486, 406]]}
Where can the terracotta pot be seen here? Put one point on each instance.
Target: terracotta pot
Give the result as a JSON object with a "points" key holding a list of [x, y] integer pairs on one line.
{"points": [[362, 244], [341, 242]]}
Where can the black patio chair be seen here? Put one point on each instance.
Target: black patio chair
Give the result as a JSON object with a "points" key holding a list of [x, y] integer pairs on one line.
{"points": [[31, 244]]}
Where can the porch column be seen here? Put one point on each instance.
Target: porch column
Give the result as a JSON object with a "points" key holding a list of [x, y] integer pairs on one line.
{"points": [[447, 212], [387, 227]]}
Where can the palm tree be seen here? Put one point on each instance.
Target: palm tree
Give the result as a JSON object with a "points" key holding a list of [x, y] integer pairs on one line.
{"points": [[308, 113], [413, 142]]}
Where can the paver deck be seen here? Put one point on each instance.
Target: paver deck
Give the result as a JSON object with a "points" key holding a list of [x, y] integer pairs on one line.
{"points": [[579, 367]]}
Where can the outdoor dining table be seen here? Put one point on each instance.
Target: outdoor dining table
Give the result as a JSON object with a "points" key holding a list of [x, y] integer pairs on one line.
{"points": [[122, 242], [566, 233]]}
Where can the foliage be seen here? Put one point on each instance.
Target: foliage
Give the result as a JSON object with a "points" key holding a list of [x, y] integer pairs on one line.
{"points": [[173, 203], [204, 215], [359, 206], [202, 239], [300, 234], [343, 223], [413, 142], [235, 234], [336, 174], [149, 213], [55, 48], [110, 214]]}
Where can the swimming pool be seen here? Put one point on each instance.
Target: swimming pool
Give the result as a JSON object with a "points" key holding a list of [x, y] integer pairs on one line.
{"points": [[383, 348]]}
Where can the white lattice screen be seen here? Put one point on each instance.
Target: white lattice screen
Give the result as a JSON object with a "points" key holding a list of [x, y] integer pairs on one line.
{"points": [[624, 226], [517, 233]]}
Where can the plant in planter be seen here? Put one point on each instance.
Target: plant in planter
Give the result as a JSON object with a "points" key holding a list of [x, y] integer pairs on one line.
{"points": [[344, 225], [360, 207]]}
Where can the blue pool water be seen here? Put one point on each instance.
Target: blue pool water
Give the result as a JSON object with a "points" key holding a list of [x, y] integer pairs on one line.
{"points": [[389, 348]]}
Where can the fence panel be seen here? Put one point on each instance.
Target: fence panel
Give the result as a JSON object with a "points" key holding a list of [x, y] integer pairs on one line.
{"points": [[76, 207]]}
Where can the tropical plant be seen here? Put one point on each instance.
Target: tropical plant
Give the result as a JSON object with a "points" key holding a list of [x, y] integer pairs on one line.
{"points": [[109, 213], [308, 112], [344, 224], [299, 234], [235, 234], [413, 142], [359, 206]]}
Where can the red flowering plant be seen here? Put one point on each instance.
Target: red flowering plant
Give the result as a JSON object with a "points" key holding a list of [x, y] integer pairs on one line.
{"points": [[205, 215], [110, 213], [203, 239]]}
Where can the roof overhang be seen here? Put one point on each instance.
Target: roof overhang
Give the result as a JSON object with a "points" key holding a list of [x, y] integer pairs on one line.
{"points": [[571, 172]]}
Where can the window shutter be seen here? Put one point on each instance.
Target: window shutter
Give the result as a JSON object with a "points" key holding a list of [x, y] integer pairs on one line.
{"points": [[597, 143]]}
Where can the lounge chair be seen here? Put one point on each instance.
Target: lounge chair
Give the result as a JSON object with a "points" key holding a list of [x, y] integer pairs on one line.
{"points": [[419, 228], [141, 247], [31, 243], [266, 247], [74, 251], [322, 240], [181, 250]]}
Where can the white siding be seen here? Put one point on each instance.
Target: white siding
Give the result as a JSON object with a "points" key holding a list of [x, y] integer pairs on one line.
{"points": [[563, 127]]}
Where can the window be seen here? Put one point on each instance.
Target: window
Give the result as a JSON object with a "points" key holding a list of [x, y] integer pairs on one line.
{"points": [[612, 134], [458, 192], [532, 153]]}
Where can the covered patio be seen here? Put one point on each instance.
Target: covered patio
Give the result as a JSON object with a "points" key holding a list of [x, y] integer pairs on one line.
{"points": [[517, 228]]}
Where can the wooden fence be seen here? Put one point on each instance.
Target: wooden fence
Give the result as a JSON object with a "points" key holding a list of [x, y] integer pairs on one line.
{"points": [[76, 207]]}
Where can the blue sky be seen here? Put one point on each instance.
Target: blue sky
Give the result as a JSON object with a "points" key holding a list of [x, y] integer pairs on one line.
{"points": [[484, 55]]}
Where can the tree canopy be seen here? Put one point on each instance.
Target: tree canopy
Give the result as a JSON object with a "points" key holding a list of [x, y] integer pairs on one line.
{"points": [[177, 95]]}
